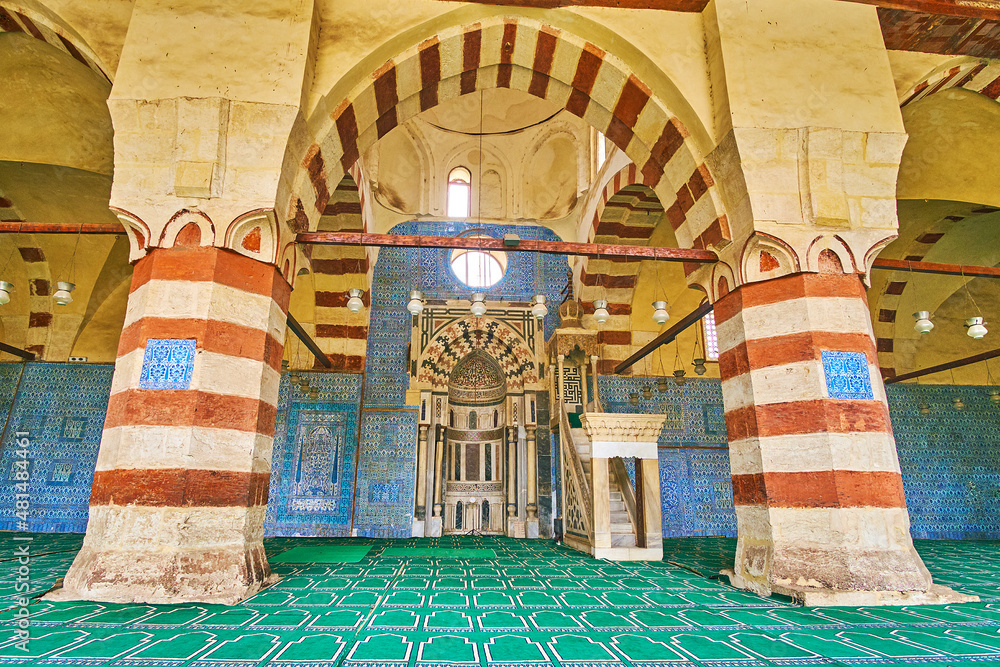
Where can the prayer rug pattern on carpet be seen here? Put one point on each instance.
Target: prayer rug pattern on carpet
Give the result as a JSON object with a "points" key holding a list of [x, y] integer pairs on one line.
{"points": [[531, 603]]}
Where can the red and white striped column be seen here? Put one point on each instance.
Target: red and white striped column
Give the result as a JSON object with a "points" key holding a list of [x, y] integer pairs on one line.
{"points": [[180, 491], [816, 479]]}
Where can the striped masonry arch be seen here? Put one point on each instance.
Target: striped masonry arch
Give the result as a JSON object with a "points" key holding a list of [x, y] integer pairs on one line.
{"points": [[981, 77], [615, 279], [12, 20], [341, 334], [816, 481], [527, 55], [188, 454]]}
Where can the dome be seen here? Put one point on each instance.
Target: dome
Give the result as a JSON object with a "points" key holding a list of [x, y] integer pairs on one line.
{"points": [[479, 378]]}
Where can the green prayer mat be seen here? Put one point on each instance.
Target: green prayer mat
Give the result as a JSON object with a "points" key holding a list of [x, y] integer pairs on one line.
{"points": [[328, 554], [438, 552]]}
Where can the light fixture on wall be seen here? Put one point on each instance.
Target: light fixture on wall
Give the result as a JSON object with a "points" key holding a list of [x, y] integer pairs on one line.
{"points": [[5, 289], [923, 324], [601, 313], [416, 304], [62, 294], [975, 327], [354, 303], [478, 307], [660, 314], [538, 307]]}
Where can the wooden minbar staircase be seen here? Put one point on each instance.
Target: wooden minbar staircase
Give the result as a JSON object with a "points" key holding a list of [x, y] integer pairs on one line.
{"points": [[604, 513]]}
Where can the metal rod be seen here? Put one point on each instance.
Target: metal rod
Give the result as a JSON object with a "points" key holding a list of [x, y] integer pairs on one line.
{"points": [[958, 363], [304, 336], [666, 336], [17, 352], [691, 256]]}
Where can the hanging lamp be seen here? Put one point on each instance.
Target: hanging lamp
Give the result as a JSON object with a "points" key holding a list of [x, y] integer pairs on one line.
{"points": [[698, 360], [923, 324], [976, 328], [660, 314], [601, 313], [354, 303], [538, 308], [62, 294], [416, 304], [478, 307], [679, 378], [5, 289]]}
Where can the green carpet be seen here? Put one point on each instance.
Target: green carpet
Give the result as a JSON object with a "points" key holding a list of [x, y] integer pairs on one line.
{"points": [[438, 552], [353, 553], [532, 604]]}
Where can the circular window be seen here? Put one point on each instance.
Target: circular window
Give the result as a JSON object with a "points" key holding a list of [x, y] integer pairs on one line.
{"points": [[479, 268]]}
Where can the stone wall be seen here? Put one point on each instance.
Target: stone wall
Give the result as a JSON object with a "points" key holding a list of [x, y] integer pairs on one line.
{"points": [[950, 458]]}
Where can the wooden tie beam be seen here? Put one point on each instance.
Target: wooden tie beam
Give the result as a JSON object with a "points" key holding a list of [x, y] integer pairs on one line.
{"points": [[666, 337], [691, 256], [936, 268], [17, 352], [947, 366], [304, 336], [15, 227]]}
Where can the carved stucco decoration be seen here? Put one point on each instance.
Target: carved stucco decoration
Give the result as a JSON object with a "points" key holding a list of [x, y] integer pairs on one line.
{"points": [[623, 434]]}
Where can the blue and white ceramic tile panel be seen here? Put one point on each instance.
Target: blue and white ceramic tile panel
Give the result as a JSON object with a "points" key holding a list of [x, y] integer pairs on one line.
{"points": [[167, 364], [950, 460], [383, 504], [847, 375], [61, 407], [314, 457], [695, 487]]}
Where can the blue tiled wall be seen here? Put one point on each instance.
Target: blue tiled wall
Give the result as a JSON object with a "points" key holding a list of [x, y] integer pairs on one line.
{"points": [[695, 487], [950, 459], [60, 408]]}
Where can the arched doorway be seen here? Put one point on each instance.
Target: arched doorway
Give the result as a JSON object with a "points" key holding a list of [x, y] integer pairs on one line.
{"points": [[474, 455]]}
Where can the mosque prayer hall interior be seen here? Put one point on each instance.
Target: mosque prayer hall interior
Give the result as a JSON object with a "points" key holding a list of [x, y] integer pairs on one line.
{"points": [[483, 333]]}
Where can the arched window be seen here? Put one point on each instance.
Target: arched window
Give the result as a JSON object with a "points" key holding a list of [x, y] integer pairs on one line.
{"points": [[458, 515], [451, 418], [459, 193], [710, 336], [486, 514], [601, 151], [472, 421], [496, 418]]}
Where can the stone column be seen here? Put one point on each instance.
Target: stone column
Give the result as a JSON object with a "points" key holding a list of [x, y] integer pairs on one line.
{"points": [[583, 385], [181, 483], [511, 473], [532, 474], [559, 379], [602, 506], [593, 374], [651, 502], [816, 481], [434, 529], [422, 473]]}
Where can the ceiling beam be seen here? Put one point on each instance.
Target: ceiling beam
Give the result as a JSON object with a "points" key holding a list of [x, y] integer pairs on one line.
{"points": [[940, 269], [666, 337], [17, 352], [958, 363], [977, 9], [691, 256], [18, 227], [304, 336]]}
